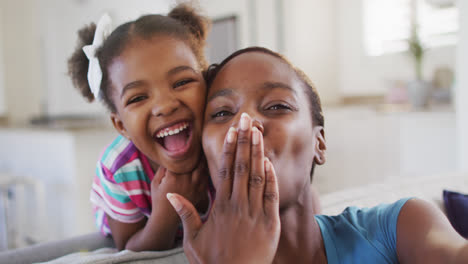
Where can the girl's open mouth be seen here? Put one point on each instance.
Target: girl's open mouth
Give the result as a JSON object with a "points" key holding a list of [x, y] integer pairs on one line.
{"points": [[175, 139]]}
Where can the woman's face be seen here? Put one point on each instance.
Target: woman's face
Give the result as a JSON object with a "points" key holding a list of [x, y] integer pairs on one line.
{"points": [[159, 94], [271, 93]]}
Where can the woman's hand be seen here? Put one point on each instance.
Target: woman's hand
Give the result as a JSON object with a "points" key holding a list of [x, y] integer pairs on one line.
{"points": [[244, 224]]}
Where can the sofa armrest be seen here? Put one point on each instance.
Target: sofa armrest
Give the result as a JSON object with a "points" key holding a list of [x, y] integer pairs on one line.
{"points": [[429, 188], [51, 250]]}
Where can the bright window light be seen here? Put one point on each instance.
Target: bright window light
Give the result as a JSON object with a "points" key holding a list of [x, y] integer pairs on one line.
{"points": [[387, 25]]}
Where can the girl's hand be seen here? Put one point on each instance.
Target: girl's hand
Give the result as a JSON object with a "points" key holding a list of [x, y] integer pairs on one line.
{"points": [[244, 224], [160, 229], [193, 185]]}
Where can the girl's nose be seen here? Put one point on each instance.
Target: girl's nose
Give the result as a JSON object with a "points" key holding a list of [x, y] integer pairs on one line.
{"points": [[165, 106]]}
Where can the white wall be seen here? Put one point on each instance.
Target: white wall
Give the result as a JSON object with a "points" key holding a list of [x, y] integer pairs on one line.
{"points": [[266, 20], [310, 43], [462, 86], [362, 75], [2, 67], [21, 53]]}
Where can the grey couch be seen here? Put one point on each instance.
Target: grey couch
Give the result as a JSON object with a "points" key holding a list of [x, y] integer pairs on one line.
{"points": [[51, 250]]}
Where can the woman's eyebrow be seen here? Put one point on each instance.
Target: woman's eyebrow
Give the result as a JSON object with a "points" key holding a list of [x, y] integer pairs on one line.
{"points": [[274, 85], [223, 92]]}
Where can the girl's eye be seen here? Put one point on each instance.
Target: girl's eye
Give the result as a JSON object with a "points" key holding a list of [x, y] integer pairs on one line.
{"points": [[182, 82], [136, 99]]}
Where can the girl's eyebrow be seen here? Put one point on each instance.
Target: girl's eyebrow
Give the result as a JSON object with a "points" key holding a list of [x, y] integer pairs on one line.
{"points": [[170, 72], [180, 69], [129, 86], [223, 92]]}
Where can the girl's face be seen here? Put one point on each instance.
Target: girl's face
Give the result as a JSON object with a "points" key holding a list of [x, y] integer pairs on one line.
{"points": [[270, 92], [159, 93]]}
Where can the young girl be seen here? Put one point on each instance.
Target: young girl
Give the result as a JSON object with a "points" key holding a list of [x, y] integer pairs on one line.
{"points": [[264, 116], [147, 72]]}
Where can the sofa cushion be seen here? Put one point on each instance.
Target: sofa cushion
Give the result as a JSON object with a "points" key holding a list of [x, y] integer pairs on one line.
{"points": [[456, 207], [429, 188]]}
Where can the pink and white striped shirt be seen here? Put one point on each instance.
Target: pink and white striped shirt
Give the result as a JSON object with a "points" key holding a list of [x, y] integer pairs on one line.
{"points": [[122, 185]]}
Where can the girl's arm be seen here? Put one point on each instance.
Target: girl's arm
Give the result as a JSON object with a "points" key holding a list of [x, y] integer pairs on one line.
{"points": [[424, 235], [158, 231]]}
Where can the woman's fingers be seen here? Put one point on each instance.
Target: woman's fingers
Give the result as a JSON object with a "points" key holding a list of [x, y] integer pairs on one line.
{"points": [[242, 160], [257, 172], [271, 194], [225, 174], [187, 213]]}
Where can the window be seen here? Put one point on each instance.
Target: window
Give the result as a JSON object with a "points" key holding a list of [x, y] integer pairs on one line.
{"points": [[388, 23], [222, 40]]}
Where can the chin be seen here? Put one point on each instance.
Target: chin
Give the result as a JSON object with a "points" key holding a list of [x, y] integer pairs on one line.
{"points": [[184, 166]]}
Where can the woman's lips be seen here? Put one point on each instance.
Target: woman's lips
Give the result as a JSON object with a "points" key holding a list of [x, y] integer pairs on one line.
{"points": [[175, 139]]}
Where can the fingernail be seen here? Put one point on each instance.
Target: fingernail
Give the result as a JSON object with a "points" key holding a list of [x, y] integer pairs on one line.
{"points": [[174, 201], [244, 121], [267, 164], [255, 136], [231, 135]]}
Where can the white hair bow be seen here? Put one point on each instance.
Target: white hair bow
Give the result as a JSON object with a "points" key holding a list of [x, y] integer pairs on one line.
{"points": [[103, 30]]}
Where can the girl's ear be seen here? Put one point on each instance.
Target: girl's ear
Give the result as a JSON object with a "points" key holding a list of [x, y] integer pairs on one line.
{"points": [[118, 125], [320, 145]]}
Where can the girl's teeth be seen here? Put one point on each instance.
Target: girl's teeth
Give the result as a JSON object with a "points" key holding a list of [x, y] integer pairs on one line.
{"points": [[171, 132]]}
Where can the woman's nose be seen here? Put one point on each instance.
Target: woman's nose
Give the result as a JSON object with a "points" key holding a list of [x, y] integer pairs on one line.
{"points": [[257, 123], [165, 106]]}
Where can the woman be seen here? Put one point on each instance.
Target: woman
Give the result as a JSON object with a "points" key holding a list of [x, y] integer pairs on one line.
{"points": [[249, 224]]}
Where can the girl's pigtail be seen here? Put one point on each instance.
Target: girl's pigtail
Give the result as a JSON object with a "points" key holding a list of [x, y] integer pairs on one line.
{"points": [[197, 24], [78, 63]]}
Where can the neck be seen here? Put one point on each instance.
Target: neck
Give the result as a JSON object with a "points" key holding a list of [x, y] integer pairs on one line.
{"points": [[300, 239]]}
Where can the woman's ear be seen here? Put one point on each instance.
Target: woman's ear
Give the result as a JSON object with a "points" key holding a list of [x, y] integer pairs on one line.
{"points": [[118, 125], [320, 145]]}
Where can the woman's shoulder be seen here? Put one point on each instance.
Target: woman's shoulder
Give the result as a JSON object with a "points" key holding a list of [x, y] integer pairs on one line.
{"points": [[371, 229], [368, 215]]}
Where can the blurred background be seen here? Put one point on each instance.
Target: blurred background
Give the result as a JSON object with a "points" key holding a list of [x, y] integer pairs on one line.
{"points": [[392, 76]]}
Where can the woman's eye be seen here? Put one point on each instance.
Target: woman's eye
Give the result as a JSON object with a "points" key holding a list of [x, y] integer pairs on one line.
{"points": [[221, 114], [182, 82], [279, 107], [136, 99]]}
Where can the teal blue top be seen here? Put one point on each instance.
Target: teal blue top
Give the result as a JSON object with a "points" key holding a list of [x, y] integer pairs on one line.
{"points": [[366, 235]]}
